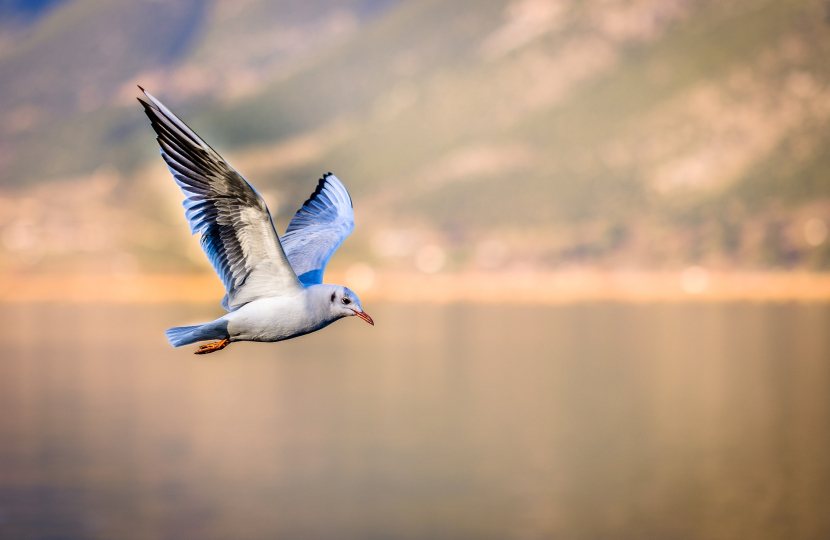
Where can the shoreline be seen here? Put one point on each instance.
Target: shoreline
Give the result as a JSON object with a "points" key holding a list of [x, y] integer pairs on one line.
{"points": [[550, 288]]}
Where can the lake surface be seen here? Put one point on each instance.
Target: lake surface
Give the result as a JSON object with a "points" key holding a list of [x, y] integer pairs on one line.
{"points": [[462, 422]]}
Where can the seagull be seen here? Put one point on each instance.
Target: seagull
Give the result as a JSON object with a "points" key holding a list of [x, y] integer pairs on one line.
{"points": [[274, 287]]}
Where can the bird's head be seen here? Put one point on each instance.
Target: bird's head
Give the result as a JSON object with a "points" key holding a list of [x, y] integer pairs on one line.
{"points": [[345, 303]]}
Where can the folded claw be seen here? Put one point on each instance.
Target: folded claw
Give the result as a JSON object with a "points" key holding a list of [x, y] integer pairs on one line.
{"points": [[212, 347]]}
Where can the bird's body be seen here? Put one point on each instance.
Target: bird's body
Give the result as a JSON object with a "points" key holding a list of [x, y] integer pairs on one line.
{"points": [[282, 317], [274, 289]]}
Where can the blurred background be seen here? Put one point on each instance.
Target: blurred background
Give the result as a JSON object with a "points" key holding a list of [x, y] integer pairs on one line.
{"points": [[593, 234], [529, 135]]}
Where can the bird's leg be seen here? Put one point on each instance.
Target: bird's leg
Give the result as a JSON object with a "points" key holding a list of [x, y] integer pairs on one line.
{"points": [[213, 347]]}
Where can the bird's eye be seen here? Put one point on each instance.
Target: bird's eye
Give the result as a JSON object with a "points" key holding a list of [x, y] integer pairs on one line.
{"points": [[332, 296], [346, 301]]}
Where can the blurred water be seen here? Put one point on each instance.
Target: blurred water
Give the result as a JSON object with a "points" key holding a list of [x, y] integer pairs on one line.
{"points": [[588, 421]]}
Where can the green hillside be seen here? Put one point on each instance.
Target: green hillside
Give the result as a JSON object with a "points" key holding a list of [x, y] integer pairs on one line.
{"points": [[646, 133]]}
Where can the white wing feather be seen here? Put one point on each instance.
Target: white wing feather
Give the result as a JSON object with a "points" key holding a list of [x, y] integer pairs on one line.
{"points": [[318, 229], [238, 234]]}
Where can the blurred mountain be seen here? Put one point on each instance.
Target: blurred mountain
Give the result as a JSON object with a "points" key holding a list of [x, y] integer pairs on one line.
{"points": [[515, 133]]}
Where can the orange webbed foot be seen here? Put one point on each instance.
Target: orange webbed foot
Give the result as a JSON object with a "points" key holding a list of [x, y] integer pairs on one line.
{"points": [[213, 347]]}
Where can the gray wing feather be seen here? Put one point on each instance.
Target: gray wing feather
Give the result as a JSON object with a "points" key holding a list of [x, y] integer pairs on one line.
{"points": [[238, 234], [318, 229]]}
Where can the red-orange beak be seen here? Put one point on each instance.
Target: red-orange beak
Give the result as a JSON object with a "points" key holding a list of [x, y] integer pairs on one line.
{"points": [[365, 316]]}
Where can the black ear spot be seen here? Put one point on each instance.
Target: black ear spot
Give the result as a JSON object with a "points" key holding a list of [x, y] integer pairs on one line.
{"points": [[332, 296]]}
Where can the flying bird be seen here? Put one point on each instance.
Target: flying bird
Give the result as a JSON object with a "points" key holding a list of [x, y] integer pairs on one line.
{"points": [[274, 286]]}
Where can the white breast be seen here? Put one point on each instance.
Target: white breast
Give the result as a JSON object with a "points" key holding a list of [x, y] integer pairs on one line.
{"points": [[276, 319]]}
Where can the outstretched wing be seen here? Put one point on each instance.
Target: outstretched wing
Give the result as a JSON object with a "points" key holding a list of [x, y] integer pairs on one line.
{"points": [[238, 235], [318, 229]]}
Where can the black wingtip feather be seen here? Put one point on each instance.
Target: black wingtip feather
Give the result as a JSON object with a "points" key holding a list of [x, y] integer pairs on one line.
{"points": [[141, 88], [320, 185]]}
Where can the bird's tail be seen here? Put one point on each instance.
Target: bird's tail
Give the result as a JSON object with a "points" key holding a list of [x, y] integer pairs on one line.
{"points": [[185, 335]]}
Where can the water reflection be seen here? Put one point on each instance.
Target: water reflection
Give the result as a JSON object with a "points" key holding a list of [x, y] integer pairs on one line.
{"points": [[589, 421]]}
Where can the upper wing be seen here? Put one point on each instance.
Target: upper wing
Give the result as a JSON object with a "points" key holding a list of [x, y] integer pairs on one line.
{"points": [[238, 235], [318, 229]]}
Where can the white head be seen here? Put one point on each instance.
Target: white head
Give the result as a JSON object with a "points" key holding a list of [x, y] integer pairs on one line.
{"points": [[343, 302]]}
